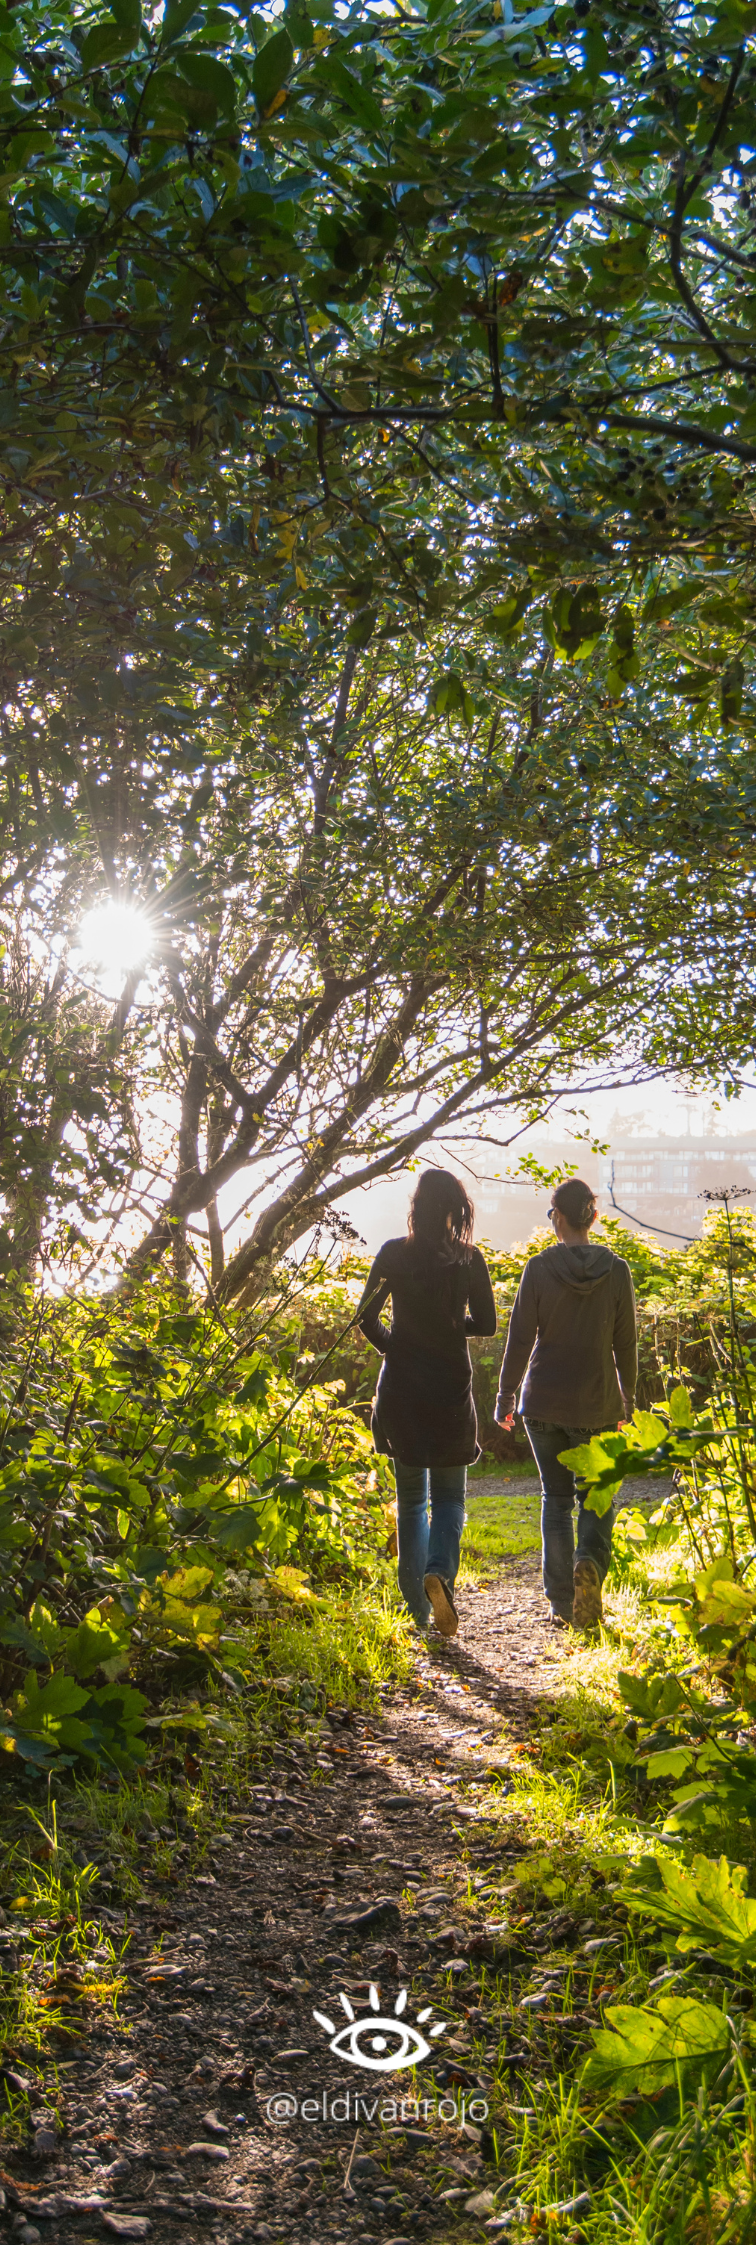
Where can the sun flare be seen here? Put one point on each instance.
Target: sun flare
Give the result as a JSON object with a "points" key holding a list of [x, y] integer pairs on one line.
{"points": [[115, 937]]}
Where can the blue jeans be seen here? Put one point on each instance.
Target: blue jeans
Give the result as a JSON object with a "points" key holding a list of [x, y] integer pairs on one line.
{"points": [[428, 1547], [559, 1488]]}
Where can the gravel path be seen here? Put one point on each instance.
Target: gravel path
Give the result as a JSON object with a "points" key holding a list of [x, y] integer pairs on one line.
{"points": [[217, 2102]]}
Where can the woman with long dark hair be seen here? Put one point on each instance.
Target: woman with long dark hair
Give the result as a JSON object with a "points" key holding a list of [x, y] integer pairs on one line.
{"points": [[423, 1413]]}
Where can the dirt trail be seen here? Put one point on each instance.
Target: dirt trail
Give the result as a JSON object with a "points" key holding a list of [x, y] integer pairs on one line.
{"points": [[179, 2117]]}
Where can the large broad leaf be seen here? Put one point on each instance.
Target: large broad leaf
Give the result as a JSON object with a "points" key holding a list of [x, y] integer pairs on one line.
{"points": [[106, 43], [671, 1761], [94, 1642], [719, 1599], [645, 2049], [176, 15], [594, 1463], [238, 1530], [704, 1905], [651, 1696], [651, 1430], [664, 604], [43, 1707], [210, 76], [271, 70], [128, 16]]}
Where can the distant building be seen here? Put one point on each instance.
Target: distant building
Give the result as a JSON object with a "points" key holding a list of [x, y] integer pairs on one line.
{"points": [[660, 1183], [655, 1184]]}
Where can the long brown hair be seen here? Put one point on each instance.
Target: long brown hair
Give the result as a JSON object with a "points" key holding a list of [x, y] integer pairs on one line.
{"points": [[439, 1195]]}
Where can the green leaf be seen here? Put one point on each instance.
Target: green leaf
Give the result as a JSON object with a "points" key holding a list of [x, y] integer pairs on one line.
{"points": [[238, 1530], [106, 43], [672, 1762], [731, 692], [597, 56], [727, 1605], [651, 1696], [623, 627], [271, 69], [128, 16], [357, 99], [38, 1751], [14, 1631], [209, 76], [643, 2050], [508, 615], [588, 1459], [664, 604], [92, 1643], [255, 1386], [299, 23], [704, 1905], [44, 1706], [450, 697], [176, 15], [680, 1408], [650, 1429]]}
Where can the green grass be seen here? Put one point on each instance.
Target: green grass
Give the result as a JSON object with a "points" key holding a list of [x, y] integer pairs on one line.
{"points": [[348, 1642], [515, 1469], [501, 1525]]}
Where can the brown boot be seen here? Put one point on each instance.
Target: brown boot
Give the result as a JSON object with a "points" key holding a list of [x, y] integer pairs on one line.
{"points": [[444, 1610], [587, 1611]]}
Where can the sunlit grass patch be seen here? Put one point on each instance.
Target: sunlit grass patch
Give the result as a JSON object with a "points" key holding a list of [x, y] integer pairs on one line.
{"points": [[345, 1646], [591, 1666], [501, 1524]]}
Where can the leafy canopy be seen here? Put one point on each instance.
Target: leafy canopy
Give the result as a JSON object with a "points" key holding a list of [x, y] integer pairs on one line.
{"points": [[375, 570], [297, 310]]}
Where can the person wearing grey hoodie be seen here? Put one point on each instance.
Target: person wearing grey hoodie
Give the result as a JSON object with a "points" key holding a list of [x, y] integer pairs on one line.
{"points": [[573, 1334]]}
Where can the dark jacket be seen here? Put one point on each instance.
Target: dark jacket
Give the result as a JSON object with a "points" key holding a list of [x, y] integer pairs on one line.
{"points": [[573, 1326], [423, 1412]]}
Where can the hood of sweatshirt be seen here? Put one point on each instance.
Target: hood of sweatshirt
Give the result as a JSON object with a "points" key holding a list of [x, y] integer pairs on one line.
{"points": [[580, 1267]]}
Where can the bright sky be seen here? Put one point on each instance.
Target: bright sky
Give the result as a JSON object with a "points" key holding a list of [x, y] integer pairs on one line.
{"points": [[115, 937], [645, 1111]]}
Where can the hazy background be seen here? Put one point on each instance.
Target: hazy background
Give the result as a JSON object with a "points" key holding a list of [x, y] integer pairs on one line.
{"points": [[665, 1149]]}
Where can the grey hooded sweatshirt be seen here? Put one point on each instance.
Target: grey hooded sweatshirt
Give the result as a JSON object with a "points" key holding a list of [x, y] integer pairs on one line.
{"points": [[573, 1327]]}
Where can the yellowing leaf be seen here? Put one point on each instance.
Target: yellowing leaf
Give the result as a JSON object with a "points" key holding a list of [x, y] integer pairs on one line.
{"points": [[727, 1602], [187, 1582], [293, 1583]]}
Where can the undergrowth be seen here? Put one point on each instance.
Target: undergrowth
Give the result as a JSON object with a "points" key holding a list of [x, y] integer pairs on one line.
{"points": [[614, 2012]]}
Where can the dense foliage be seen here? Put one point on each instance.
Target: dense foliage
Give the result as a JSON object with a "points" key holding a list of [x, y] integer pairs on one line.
{"points": [[370, 615], [156, 1473]]}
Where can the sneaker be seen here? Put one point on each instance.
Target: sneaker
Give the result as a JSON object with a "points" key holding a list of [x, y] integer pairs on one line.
{"points": [[444, 1610], [587, 1610], [559, 1621]]}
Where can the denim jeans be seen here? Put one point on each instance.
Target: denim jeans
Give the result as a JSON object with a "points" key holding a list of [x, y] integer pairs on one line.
{"points": [[428, 1547], [559, 1488]]}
